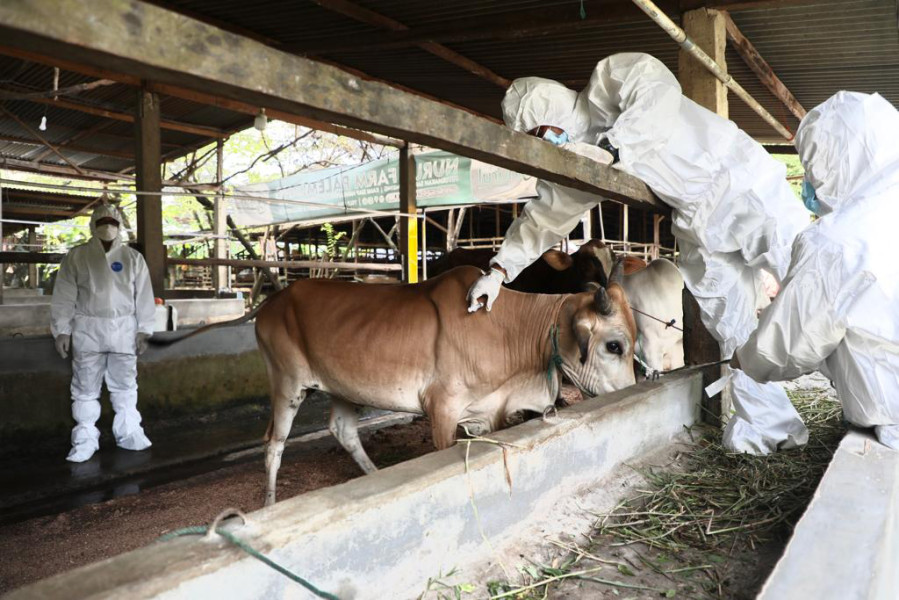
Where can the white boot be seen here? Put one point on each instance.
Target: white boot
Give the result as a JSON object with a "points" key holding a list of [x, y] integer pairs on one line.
{"points": [[137, 441], [81, 452], [85, 435]]}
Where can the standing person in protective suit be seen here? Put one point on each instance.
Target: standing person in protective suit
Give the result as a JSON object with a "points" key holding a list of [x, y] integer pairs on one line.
{"points": [[733, 211], [103, 309], [838, 310]]}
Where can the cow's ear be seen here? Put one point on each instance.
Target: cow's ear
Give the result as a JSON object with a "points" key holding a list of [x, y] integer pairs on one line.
{"points": [[557, 259]]}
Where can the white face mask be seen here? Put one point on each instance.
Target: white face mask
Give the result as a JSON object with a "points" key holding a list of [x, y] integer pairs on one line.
{"points": [[107, 233]]}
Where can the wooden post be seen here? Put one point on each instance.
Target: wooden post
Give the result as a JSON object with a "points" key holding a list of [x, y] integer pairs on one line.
{"points": [[707, 29], [424, 247], [656, 235], [221, 279], [408, 225], [149, 179], [2, 247], [32, 247]]}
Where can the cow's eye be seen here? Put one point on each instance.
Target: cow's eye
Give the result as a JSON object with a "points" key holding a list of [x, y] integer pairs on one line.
{"points": [[614, 348]]}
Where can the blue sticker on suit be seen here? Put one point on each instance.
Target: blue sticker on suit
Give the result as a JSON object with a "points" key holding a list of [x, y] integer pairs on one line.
{"points": [[117, 266]]}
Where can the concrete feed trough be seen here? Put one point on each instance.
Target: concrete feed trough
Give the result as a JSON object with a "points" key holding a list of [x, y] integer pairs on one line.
{"points": [[390, 531]]}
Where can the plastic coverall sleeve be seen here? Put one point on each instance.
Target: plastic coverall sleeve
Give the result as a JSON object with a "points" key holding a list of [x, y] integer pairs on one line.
{"points": [[801, 328], [638, 97], [144, 302], [62, 304], [544, 222]]}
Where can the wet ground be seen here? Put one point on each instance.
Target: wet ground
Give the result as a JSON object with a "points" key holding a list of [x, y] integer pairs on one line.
{"points": [[107, 516]]}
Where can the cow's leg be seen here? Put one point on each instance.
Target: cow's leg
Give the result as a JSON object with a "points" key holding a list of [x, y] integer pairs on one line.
{"points": [[344, 425], [444, 414], [286, 399]]}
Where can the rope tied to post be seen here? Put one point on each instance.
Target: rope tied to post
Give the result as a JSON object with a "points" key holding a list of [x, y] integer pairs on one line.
{"points": [[666, 323], [209, 532]]}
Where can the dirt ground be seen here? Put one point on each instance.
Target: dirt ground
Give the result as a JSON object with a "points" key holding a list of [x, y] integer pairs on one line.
{"points": [[45, 546]]}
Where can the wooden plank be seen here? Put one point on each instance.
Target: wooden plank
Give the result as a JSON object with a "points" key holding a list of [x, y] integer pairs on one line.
{"points": [[149, 179], [114, 35], [249, 109], [73, 147], [14, 195], [761, 68], [285, 264], [14, 164], [408, 225], [365, 15], [210, 132], [37, 210], [31, 258]]}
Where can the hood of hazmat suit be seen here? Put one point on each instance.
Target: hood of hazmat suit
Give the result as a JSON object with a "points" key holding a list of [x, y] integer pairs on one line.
{"points": [[838, 310], [734, 212]]}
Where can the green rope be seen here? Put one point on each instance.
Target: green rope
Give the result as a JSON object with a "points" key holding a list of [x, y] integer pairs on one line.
{"points": [[555, 360], [201, 530]]}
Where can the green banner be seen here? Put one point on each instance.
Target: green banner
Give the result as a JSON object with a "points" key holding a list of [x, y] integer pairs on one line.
{"points": [[442, 179]]}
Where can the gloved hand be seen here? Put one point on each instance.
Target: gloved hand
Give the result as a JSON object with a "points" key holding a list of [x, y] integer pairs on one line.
{"points": [[488, 285], [590, 151], [141, 341], [63, 341]]}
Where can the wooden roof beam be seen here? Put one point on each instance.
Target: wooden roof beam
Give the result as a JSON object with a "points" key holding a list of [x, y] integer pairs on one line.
{"points": [[14, 164], [73, 147], [364, 15], [110, 34], [761, 68], [209, 132], [14, 195], [250, 109], [686, 5]]}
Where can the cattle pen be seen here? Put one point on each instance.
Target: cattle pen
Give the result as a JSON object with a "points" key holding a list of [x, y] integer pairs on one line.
{"points": [[128, 100]]}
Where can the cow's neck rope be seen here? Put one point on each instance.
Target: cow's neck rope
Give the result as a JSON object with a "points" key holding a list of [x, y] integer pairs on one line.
{"points": [[555, 359], [556, 363]]}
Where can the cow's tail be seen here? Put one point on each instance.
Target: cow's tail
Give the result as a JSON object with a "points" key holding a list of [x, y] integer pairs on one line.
{"points": [[238, 321]]}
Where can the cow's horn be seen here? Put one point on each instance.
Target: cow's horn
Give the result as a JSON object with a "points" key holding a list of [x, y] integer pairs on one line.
{"points": [[617, 272], [603, 302]]}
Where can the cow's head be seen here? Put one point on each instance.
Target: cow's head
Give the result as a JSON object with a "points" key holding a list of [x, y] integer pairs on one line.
{"points": [[578, 271], [598, 352]]}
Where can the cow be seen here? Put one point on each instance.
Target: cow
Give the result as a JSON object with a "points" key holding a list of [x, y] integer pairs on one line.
{"points": [[556, 272], [655, 293], [415, 348]]}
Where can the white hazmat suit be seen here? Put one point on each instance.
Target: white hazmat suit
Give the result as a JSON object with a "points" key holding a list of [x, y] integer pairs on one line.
{"points": [[838, 310], [104, 301], [734, 212]]}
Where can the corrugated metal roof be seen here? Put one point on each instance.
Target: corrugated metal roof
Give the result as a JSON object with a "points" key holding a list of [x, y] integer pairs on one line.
{"points": [[815, 47]]}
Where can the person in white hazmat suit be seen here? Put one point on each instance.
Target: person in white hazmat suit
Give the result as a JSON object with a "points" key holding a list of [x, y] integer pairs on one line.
{"points": [[733, 210], [838, 310], [104, 311]]}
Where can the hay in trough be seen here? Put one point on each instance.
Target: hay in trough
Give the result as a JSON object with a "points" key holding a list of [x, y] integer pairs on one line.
{"points": [[691, 529]]}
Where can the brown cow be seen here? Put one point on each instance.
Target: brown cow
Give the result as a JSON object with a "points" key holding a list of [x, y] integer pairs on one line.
{"points": [[415, 348]]}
